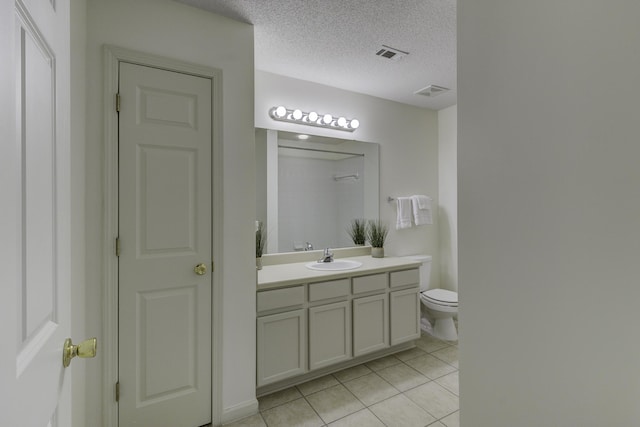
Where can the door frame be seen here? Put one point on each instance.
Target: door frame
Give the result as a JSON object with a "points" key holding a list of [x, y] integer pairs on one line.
{"points": [[112, 57]]}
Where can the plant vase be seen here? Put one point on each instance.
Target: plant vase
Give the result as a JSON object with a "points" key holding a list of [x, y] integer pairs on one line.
{"points": [[377, 252], [258, 263]]}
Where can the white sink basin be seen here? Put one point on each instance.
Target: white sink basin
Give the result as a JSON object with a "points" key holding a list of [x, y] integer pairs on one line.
{"points": [[337, 265]]}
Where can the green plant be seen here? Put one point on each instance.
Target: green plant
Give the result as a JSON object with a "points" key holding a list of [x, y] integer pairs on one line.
{"points": [[377, 233], [261, 239], [357, 231]]}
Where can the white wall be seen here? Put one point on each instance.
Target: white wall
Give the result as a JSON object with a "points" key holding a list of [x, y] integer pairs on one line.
{"points": [[549, 213], [315, 208], [448, 194], [171, 29], [408, 138]]}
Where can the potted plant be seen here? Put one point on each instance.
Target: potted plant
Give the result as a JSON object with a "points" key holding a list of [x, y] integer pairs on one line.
{"points": [[261, 240], [358, 231], [376, 234]]}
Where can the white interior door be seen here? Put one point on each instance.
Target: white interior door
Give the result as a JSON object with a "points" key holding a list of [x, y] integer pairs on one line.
{"points": [[165, 239], [35, 226]]}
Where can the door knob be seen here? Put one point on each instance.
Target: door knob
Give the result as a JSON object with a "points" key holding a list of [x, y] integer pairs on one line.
{"points": [[85, 349], [200, 269]]}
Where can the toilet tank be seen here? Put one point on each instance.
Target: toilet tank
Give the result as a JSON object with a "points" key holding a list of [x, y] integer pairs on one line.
{"points": [[425, 269]]}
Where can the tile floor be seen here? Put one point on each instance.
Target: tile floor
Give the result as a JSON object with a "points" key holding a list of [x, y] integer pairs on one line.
{"points": [[417, 387]]}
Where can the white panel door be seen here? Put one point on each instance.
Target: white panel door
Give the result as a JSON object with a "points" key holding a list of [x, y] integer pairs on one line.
{"points": [[282, 346], [34, 386], [165, 232], [370, 324], [404, 313], [329, 334]]}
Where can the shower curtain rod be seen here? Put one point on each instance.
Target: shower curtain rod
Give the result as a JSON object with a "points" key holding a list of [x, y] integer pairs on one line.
{"points": [[353, 175]]}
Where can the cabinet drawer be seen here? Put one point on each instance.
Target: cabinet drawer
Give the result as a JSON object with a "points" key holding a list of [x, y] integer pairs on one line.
{"points": [[404, 278], [280, 298], [331, 289], [374, 282]]}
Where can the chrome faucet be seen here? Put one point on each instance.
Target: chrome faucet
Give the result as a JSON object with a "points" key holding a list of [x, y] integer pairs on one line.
{"points": [[327, 257], [308, 246]]}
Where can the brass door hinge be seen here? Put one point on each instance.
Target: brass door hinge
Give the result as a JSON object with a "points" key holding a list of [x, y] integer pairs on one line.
{"points": [[117, 246], [117, 102], [118, 391]]}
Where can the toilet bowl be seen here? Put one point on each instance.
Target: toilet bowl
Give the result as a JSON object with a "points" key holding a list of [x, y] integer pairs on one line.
{"points": [[440, 305]]}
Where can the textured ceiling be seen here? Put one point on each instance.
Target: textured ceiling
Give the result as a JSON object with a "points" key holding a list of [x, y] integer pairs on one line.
{"points": [[334, 42]]}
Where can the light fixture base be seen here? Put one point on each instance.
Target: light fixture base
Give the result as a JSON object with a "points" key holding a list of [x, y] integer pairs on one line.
{"points": [[312, 118]]}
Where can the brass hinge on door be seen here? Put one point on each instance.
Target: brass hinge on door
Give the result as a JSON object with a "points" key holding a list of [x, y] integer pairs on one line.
{"points": [[117, 246], [118, 391], [117, 102]]}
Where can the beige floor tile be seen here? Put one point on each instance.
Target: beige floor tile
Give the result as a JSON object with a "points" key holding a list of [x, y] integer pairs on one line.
{"points": [[352, 373], [430, 366], [371, 389], [297, 413], [278, 398], [383, 362], [452, 420], [448, 355], [451, 382], [430, 344], [334, 403], [317, 384], [410, 354], [402, 377], [400, 411], [363, 418], [434, 399], [252, 421]]}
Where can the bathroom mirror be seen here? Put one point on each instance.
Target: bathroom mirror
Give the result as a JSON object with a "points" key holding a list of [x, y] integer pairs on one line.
{"points": [[308, 191]]}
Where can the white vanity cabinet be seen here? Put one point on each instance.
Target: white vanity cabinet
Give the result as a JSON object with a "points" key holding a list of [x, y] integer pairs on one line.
{"points": [[308, 328], [404, 310], [329, 334], [370, 314], [329, 324], [281, 336], [404, 306]]}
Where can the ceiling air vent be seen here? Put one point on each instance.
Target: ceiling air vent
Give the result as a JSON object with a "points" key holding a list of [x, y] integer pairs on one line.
{"points": [[391, 53], [432, 91]]}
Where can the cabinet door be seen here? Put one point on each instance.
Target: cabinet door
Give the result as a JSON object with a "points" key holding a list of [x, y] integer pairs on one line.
{"points": [[329, 334], [281, 346], [370, 324], [405, 315]]}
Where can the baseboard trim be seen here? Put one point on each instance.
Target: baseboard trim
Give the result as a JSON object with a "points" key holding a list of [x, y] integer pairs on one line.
{"points": [[241, 410]]}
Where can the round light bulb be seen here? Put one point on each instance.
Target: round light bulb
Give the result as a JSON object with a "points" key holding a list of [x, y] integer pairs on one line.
{"points": [[327, 118], [355, 124], [342, 122], [280, 112], [297, 114], [313, 116], [303, 136]]}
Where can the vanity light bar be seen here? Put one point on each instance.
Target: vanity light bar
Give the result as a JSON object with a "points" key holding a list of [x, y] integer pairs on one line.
{"points": [[312, 118]]}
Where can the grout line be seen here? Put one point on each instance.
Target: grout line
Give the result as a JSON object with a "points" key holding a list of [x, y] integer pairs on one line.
{"points": [[370, 371]]}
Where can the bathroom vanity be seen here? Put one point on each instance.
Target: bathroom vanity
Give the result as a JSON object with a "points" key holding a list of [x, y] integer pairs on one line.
{"points": [[310, 323]]}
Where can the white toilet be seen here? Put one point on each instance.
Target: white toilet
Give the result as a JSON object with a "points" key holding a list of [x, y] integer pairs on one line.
{"points": [[440, 305]]}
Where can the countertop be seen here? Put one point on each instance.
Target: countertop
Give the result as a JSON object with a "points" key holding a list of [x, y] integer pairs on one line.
{"points": [[279, 275]]}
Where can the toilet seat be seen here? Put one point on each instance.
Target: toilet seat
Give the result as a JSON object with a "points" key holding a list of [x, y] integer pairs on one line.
{"points": [[441, 297]]}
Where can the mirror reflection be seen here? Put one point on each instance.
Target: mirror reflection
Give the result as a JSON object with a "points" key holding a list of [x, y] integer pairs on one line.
{"points": [[309, 191]]}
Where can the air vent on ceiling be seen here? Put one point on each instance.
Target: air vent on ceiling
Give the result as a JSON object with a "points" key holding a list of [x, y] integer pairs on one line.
{"points": [[432, 91], [391, 53]]}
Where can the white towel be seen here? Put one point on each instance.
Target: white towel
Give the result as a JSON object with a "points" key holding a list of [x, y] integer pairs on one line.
{"points": [[421, 209], [404, 213]]}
